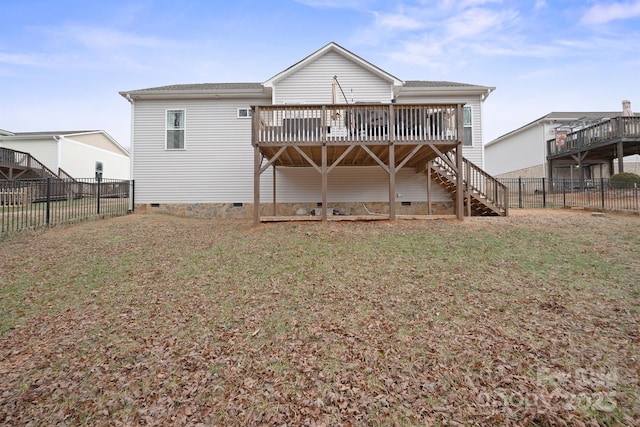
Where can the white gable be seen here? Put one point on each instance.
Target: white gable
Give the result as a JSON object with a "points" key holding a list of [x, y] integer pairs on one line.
{"points": [[311, 80], [313, 84]]}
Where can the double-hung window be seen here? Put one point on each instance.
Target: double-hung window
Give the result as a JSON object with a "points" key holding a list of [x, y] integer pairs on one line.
{"points": [[467, 138], [175, 129]]}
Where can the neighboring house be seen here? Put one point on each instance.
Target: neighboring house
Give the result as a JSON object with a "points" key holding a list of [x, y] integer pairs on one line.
{"points": [[72, 153], [522, 153], [192, 143]]}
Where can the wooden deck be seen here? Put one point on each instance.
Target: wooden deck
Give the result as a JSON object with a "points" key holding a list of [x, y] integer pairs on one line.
{"points": [[599, 143], [391, 136]]}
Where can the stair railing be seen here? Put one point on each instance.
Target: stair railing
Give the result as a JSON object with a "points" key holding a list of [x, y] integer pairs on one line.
{"points": [[476, 181], [14, 158]]}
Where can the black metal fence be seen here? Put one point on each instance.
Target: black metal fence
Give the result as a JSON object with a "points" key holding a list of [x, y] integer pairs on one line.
{"points": [[36, 203], [597, 194]]}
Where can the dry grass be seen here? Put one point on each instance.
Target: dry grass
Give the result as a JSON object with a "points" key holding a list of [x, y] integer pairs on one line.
{"points": [[158, 320]]}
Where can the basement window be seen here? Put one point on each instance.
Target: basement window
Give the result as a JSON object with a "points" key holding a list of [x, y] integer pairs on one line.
{"points": [[237, 204], [155, 205]]}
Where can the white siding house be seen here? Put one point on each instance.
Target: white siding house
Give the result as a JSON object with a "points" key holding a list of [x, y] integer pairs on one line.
{"points": [[74, 153], [192, 143]]}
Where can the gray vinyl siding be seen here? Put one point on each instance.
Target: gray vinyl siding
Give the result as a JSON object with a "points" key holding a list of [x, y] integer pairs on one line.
{"points": [[313, 83], [354, 184], [216, 165]]}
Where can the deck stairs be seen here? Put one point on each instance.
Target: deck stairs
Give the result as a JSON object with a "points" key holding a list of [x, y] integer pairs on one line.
{"points": [[487, 196], [20, 165]]}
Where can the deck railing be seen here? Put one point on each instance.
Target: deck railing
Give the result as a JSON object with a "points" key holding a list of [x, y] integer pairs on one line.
{"points": [[19, 159], [355, 123], [616, 127]]}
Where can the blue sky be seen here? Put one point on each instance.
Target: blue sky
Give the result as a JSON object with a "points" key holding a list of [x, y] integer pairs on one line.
{"points": [[62, 62]]}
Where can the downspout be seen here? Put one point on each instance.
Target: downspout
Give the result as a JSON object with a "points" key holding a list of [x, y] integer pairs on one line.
{"points": [[131, 155], [58, 140]]}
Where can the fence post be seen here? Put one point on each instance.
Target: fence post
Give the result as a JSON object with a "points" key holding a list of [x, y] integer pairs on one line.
{"points": [[564, 192], [98, 202], [133, 195], [544, 194], [48, 208], [602, 191], [520, 192]]}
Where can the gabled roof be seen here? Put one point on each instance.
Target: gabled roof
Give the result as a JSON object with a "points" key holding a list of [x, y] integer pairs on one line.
{"points": [[252, 90], [53, 133], [27, 136], [199, 90], [434, 88], [333, 47]]}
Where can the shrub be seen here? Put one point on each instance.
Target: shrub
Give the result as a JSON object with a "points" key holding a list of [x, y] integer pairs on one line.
{"points": [[625, 180]]}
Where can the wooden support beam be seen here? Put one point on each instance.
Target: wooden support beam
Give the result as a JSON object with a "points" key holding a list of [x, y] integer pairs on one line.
{"points": [[392, 183], [273, 159], [275, 209], [376, 158], [459, 184], [342, 156], [257, 161], [620, 157], [429, 211], [325, 172]]}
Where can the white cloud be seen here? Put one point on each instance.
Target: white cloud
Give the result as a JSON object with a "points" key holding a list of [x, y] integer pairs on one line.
{"points": [[397, 21], [336, 4], [109, 39], [477, 21], [22, 59], [540, 4], [604, 13]]}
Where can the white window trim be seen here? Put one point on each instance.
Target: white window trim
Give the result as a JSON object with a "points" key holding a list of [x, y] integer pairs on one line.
{"points": [[247, 116], [184, 129], [470, 124]]}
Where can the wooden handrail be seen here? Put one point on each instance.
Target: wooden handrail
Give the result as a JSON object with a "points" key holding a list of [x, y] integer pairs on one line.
{"points": [[354, 123], [21, 159], [479, 183]]}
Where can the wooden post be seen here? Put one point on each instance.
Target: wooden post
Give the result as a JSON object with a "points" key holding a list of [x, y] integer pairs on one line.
{"points": [[324, 182], [275, 209], [468, 188], [620, 157], [256, 185], [429, 210], [257, 161], [459, 183], [392, 182]]}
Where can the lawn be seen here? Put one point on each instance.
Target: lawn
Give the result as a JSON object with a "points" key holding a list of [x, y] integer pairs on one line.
{"points": [[151, 319]]}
